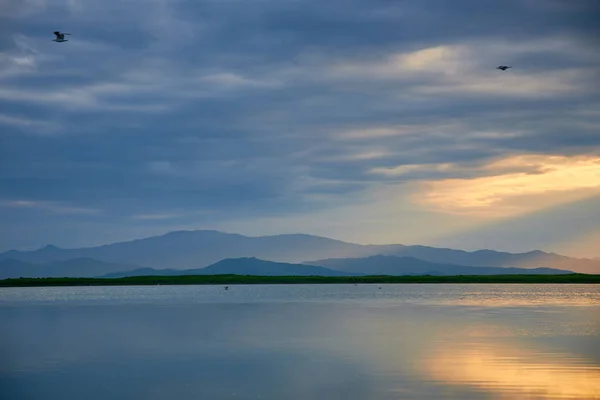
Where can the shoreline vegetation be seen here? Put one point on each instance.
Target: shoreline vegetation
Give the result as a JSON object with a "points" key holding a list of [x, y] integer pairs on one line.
{"points": [[254, 279]]}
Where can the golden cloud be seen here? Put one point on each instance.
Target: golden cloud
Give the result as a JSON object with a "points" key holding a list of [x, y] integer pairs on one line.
{"points": [[515, 185]]}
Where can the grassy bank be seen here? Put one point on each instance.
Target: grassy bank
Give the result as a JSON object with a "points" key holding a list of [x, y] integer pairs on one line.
{"points": [[250, 279]]}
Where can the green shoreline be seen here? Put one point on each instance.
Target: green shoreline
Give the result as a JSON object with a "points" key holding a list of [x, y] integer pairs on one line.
{"points": [[253, 279]]}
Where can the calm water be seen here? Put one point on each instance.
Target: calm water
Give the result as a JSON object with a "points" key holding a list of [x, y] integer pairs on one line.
{"points": [[301, 342]]}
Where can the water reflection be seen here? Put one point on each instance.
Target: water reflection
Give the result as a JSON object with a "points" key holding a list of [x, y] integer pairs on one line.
{"points": [[512, 371], [282, 342]]}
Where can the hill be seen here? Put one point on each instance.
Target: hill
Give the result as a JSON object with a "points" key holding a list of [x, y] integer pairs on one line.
{"points": [[391, 265], [77, 267], [193, 249], [237, 266], [254, 266], [196, 249], [491, 258]]}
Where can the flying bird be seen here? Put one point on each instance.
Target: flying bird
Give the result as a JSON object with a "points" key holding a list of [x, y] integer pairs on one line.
{"points": [[503, 67], [60, 37]]}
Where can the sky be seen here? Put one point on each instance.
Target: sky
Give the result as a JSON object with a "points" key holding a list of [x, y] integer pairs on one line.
{"points": [[368, 121]]}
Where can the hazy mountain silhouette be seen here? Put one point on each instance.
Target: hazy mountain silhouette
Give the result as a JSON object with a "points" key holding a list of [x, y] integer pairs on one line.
{"points": [[255, 266], [491, 258], [193, 249], [239, 266], [392, 265], [77, 267], [151, 272], [196, 249], [375, 265]]}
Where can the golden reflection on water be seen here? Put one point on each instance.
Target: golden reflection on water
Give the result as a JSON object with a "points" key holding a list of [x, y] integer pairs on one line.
{"points": [[519, 295], [513, 372], [472, 353]]}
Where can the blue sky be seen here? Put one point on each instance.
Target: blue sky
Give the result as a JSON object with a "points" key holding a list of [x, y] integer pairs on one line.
{"points": [[368, 121]]}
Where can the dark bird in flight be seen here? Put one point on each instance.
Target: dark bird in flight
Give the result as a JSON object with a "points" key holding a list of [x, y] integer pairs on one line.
{"points": [[503, 67], [60, 37]]}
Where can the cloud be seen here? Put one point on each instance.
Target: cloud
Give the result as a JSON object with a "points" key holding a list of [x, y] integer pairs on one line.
{"points": [[383, 132], [303, 115], [534, 85], [154, 216], [410, 168], [465, 69], [234, 80], [537, 182], [49, 206], [29, 125]]}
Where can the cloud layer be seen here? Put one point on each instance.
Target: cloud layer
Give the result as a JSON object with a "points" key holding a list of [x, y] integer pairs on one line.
{"points": [[365, 120]]}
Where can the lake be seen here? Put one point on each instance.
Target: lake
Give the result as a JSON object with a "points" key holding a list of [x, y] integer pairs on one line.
{"points": [[402, 341]]}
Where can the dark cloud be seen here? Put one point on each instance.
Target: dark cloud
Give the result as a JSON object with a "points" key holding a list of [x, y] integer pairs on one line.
{"points": [[205, 111]]}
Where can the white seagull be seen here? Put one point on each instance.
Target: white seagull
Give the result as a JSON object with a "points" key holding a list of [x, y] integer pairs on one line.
{"points": [[60, 37]]}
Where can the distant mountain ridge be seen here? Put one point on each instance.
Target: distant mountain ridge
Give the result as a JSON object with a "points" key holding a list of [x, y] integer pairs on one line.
{"points": [[239, 266], [201, 248], [392, 265], [375, 265], [193, 249], [76, 267]]}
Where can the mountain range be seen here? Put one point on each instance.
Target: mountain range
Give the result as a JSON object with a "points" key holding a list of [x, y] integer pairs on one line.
{"points": [[184, 250], [75, 267], [392, 265], [240, 266], [375, 265]]}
